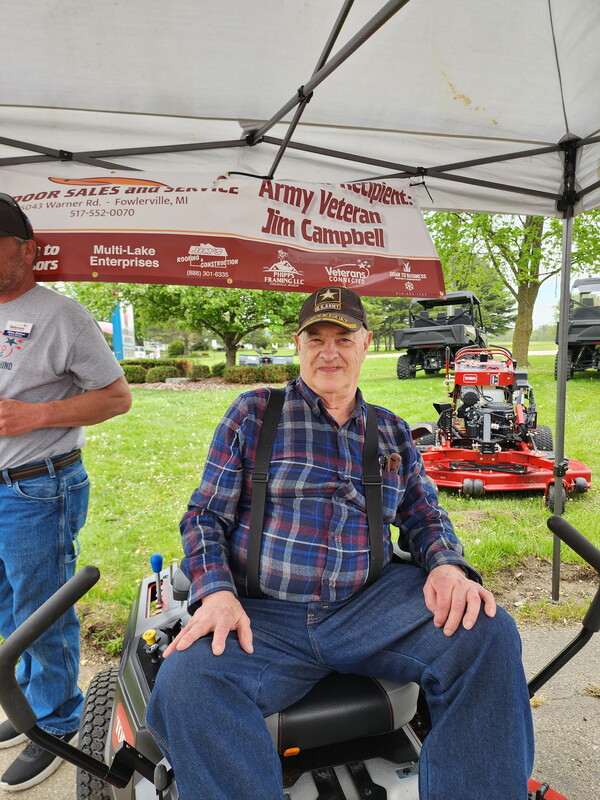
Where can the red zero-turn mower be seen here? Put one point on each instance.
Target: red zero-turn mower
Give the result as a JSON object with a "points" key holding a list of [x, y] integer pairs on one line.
{"points": [[487, 437], [350, 738]]}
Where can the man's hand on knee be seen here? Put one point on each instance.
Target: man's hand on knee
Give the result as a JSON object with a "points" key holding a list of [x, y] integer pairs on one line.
{"points": [[219, 613], [453, 598]]}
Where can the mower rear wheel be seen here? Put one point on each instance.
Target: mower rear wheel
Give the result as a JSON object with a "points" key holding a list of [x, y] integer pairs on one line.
{"points": [[404, 369], [543, 439], [570, 369], [94, 731], [550, 498], [429, 438]]}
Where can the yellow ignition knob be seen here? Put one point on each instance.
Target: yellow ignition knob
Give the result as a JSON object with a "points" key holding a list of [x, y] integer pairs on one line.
{"points": [[149, 636]]}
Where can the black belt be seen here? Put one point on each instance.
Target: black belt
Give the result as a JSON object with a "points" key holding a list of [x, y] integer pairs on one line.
{"points": [[36, 469]]}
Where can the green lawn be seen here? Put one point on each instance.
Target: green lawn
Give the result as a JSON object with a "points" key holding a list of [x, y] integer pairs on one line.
{"points": [[144, 466]]}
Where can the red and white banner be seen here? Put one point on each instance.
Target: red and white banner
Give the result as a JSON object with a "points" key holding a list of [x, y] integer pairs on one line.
{"points": [[238, 232]]}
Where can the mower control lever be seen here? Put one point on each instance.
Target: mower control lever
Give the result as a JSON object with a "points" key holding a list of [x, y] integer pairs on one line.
{"points": [[571, 537], [584, 548], [12, 699], [591, 622]]}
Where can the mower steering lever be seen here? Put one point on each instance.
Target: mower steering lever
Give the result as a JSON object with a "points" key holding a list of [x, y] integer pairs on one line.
{"points": [[591, 622]]}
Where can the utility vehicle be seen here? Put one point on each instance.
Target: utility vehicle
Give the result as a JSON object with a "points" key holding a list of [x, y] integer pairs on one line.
{"points": [[436, 324], [584, 327]]}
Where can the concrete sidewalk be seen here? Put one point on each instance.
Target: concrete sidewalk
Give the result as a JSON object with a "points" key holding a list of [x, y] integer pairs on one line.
{"points": [[567, 721]]}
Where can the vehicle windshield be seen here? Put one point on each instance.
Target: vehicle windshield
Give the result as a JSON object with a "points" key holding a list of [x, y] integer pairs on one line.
{"points": [[586, 296], [452, 312]]}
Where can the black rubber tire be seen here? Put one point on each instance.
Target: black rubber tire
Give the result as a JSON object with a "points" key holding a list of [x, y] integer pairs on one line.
{"points": [[478, 487], [430, 438], [94, 730], [467, 487], [404, 368], [570, 370], [550, 498], [543, 438], [580, 486]]}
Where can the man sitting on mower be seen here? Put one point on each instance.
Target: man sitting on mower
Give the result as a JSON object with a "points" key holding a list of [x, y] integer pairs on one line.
{"points": [[323, 594]]}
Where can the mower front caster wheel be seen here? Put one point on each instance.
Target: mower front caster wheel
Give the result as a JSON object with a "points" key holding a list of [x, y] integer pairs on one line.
{"points": [[550, 498], [478, 488], [472, 488], [580, 486]]}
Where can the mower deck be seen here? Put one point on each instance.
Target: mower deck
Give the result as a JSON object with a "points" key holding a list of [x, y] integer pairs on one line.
{"points": [[515, 470]]}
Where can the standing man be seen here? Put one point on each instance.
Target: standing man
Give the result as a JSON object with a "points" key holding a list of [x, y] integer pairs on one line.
{"points": [[242, 658], [57, 374]]}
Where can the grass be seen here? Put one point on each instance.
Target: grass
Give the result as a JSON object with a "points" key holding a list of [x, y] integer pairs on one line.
{"points": [[145, 465]]}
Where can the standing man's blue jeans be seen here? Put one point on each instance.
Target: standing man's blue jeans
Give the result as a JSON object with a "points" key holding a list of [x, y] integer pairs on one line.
{"points": [[206, 711], [39, 522]]}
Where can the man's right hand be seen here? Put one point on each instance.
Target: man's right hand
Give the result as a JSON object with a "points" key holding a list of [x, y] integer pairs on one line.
{"points": [[219, 613]]}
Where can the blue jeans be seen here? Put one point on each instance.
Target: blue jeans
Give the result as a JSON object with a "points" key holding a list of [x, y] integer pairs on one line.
{"points": [[206, 712], [39, 522]]}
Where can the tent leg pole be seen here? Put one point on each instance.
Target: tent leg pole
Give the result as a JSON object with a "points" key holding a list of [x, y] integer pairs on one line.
{"points": [[561, 390]]}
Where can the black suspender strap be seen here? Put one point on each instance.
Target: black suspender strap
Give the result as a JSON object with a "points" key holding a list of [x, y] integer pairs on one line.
{"points": [[259, 479], [372, 483]]}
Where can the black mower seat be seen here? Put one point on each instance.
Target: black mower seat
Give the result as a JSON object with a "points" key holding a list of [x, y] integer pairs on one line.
{"points": [[341, 708], [338, 708]]}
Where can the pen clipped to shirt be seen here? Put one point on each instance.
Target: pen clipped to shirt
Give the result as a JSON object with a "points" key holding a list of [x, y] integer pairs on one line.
{"points": [[390, 463]]}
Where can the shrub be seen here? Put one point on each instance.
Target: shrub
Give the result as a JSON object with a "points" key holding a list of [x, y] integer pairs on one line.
{"points": [[268, 373], [183, 364], [198, 371], [148, 363], [241, 374], [134, 373], [175, 349], [218, 369], [293, 371], [272, 373], [161, 373]]}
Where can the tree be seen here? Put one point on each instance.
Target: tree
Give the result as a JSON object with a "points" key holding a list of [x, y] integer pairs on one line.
{"points": [[229, 314], [522, 252], [385, 314]]}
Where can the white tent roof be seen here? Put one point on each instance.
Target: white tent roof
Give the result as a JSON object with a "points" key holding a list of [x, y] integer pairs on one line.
{"points": [[440, 83]]}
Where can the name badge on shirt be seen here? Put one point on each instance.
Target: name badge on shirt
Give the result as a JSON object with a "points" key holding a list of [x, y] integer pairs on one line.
{"points": [[20, 329]]}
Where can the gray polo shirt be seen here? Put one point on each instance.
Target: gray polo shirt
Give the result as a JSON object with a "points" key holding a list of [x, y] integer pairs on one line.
{"points": [[57, 352]]}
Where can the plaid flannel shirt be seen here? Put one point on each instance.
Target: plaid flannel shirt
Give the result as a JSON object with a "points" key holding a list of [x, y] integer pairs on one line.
{"points": [[315, 543]]}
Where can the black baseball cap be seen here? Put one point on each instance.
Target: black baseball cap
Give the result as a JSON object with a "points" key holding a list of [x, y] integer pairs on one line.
{"points": [[334, 304], [13, 221]]}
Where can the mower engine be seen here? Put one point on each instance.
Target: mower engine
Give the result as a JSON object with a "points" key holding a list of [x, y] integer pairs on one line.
{"points": [[492, 402]]}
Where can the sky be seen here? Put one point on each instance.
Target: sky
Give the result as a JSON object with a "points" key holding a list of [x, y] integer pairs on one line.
{"points": [[544, 311]]}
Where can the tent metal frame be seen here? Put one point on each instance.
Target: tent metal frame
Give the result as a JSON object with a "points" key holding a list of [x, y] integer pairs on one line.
{"points": [[566, 200]]}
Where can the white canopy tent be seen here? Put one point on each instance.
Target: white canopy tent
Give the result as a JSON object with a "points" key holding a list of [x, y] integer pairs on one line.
{"points": [[491, 107], [466, 96]]}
